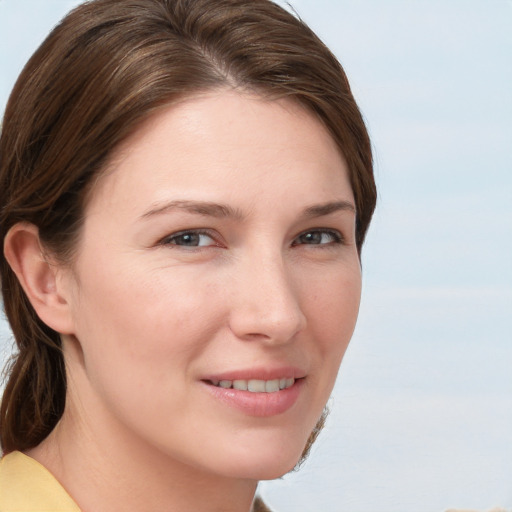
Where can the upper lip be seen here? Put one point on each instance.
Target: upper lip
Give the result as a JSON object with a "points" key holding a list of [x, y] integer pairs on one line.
{"points": [[259, 373]]}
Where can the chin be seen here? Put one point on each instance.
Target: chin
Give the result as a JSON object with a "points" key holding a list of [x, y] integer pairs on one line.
{"points": [[264, 459], [276, 453], [271, 469]]}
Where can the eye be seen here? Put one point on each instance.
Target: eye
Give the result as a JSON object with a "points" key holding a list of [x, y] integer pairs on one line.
{"points": [[193, 238], [319, 237]]}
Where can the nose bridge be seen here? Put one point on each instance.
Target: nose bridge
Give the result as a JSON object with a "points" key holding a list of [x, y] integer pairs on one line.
{"points": [[267, 302]]}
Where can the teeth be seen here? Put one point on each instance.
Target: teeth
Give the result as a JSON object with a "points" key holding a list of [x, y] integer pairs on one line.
{"points": [[271, 386], [255, 385], [240, 384]]}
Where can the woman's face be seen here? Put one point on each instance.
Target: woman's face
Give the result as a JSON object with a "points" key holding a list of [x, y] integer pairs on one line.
{"points": [[217, 255]]}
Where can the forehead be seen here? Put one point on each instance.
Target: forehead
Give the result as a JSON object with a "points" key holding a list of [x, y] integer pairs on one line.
{"points": [[227, 139]]}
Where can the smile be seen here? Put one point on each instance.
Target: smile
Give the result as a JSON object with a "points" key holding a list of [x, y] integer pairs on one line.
{"points": [[255, 385]]}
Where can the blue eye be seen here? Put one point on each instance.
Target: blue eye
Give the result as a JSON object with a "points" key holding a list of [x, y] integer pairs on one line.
{"points": [[319, 237], [189, 239]]}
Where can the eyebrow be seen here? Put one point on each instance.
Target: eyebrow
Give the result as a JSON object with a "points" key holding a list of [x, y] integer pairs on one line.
{"points": [[205, 208], [320, 210], [210, 209]]}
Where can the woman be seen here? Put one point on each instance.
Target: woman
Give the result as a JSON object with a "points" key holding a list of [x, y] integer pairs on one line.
{"points": [[186, 187]]}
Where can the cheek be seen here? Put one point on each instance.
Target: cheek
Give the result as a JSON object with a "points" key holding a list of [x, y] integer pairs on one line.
{"points": [[332, 313], [138, 320], [141, 334], [334, 305]]}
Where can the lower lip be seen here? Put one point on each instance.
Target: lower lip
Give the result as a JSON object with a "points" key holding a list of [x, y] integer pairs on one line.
{"points": [[258, 404]]}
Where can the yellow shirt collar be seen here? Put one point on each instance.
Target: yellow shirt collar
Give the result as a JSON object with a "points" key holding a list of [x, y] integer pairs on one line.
{"points": [[27, 486]]}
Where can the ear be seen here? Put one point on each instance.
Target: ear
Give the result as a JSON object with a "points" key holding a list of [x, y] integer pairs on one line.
{"points": [[41, 279]]}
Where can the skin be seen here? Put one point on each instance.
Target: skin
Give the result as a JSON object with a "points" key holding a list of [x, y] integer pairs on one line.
{"points": [[273, 283]]}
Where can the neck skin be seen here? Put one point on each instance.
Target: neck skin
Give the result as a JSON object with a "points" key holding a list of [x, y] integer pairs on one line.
{"points": [[86, 454]]}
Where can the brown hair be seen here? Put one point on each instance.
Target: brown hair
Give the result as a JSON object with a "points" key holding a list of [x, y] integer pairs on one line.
{"points": [[101, 72]]}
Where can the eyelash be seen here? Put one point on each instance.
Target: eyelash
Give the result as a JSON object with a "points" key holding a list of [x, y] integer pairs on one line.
{"points": [[335, 235]]}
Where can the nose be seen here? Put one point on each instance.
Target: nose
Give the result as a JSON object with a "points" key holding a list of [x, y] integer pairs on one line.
{"points": [[266, 303]]}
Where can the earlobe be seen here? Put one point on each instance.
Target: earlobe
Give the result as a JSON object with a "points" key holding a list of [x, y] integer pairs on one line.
{"points": [[38, 277]]}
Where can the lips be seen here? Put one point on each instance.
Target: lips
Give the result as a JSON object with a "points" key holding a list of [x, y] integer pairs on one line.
{"points": [[258, 392]]}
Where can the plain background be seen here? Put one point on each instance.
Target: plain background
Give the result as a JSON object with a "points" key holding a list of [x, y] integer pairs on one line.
{"points": [[422, 412]]}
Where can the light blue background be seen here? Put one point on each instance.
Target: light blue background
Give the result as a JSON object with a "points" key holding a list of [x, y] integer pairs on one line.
{"points": [[422, 413]]}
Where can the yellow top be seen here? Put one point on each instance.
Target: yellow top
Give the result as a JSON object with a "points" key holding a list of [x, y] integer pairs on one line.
{"points": [[27, 486]]}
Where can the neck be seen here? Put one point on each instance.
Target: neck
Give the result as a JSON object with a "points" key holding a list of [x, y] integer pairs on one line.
{"points": [[126, 474]]}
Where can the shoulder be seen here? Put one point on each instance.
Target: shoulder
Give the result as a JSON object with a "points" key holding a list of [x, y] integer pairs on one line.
{"points": [[26, 485]]}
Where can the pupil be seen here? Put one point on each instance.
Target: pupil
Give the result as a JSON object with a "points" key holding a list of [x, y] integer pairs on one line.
{"points": [[190, 239], [312, 238]]}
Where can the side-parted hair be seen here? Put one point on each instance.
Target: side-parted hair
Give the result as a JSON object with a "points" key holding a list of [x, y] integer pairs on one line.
{"points": [[106, 68]]}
